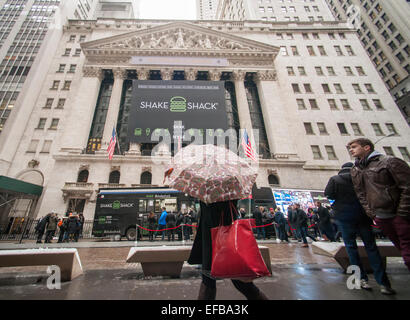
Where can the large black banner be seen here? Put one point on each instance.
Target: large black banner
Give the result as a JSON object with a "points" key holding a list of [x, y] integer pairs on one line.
{"points": [[158, 105]]}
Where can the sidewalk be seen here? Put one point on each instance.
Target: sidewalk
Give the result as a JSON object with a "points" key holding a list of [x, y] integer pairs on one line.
{"points": [[297, 274]]}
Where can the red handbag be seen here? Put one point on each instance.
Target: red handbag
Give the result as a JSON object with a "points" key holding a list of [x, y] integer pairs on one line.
{"points": [[235, 252]]}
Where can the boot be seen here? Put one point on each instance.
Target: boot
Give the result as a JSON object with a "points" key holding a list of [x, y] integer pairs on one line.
{"points": [[206, 293]]}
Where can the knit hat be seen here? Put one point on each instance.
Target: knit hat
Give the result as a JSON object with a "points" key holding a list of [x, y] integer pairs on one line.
{"points": [[348, 165]]}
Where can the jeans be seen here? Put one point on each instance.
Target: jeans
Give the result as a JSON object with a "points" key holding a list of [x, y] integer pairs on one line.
{"points": [[282, 232], [260, 232], [160, 227], [327, 229], [349, 234], [303, 231], [398, 231]]}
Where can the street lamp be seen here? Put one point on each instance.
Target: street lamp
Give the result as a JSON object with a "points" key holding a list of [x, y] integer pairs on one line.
{"points": [[389, 135]]}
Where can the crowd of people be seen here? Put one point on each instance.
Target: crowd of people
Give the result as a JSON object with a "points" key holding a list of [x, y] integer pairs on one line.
{"points": [[70, 228]]}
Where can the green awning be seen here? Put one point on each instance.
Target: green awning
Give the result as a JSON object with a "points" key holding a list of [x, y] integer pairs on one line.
{"points": [[17, 186]]}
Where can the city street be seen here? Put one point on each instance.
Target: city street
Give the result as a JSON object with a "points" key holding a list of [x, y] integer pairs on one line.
{"points": [[298, 274]]}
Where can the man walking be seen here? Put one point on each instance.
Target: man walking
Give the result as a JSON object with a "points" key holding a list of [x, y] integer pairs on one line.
{"points": [[301, 224], [280, 222], [325, 224], [352, 221], [382, 184]]}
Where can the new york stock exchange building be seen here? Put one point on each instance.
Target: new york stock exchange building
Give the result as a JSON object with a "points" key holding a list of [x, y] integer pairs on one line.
{"points": [[306, 88]]}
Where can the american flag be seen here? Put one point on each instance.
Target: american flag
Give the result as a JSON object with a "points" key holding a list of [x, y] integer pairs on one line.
{"points": [[111, 146], [247, 147]]}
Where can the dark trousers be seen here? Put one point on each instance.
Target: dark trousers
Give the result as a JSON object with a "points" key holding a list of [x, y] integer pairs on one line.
{"points": [[349, 233], [398, 231], [39, 236], [160, 227], [171, 233], [248, 289], [49, 235], [327, 229], [303, 231], [260, 232], [282, 232], [61, 236]]}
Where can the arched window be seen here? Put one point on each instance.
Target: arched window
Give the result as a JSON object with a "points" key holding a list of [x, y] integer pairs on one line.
{"points": [[114, 177], [146, 178], [273, 179], [83, 176]]}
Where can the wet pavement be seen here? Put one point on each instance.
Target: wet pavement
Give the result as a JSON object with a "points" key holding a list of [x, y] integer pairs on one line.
{"points": [[298, 274]]}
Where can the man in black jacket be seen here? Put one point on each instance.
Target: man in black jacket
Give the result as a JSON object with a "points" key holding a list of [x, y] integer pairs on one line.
{"points": [[301, 224], [352, 221], [258, 216], [325, 224]]}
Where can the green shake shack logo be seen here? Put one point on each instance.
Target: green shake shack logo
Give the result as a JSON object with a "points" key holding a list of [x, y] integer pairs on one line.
{"points": [[116, 205], [178, 104]]}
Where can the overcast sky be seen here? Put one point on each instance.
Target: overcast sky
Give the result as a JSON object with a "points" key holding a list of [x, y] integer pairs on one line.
{"points": [[168, 9]]}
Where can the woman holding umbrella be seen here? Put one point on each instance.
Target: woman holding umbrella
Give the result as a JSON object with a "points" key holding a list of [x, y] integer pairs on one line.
{"points": [[204, 172]]}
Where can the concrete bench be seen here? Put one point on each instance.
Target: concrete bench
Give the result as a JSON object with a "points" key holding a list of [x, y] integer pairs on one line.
{"points": [[67, 259], [338, 251], [168, 260]]}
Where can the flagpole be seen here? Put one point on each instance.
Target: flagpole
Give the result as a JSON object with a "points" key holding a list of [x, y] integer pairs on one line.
{"points": [[118, 143]]}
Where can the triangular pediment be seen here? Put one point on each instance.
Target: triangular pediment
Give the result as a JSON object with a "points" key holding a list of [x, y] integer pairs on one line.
{"points": [[179, 38]]}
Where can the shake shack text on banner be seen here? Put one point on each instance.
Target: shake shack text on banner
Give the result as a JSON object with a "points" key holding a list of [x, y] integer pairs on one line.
{"points": [[157, 105]]}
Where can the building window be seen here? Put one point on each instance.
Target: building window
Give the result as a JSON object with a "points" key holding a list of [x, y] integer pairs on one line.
{"points": [[302, 71], [348, 71], [41, 123], [404, 153], [388, 151], [322, 51], [338, 88], [114, 177], [342, 128], [283, 51], [331, 71], [146, 177], [77, 53], [356, 129], [308, 88], [32, 148], [273, 179], [301, 104], [316, 152], [72, 68], [82, 39], [308, 128], [294, 50], [56, 84], [360, 71], [72, 38], [305, 36], [49, 103], [326, 88], [332, 104], [338, 50], [377, 129], [67, 52], [313, 104], [331, 154], [67, 85], [54, 124], [365, 104], [345, 104], [46, 146], [390, 127], [349, 50], [295, 88], [311, 51], [322, 128], [60, 104], [83, 176], [369, 88], [319, 71], [61, 68], [356, 88], [377, 103], [331, 36], [290, 70]]}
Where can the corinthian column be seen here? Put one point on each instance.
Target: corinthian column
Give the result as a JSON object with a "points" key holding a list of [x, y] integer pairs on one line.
{"points": [[274, 108], [76, 134], [215, 75], [114, 106], [242, 101]]}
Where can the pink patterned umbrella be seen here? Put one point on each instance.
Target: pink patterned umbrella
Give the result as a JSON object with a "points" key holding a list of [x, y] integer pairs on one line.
{"points": [[211, 173]]}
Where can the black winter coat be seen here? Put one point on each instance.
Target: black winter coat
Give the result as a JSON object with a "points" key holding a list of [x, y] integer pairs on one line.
{"points": [[72, 225], [347, 206], [257, 215], [210, 217], [171, 220], [301, 218]]}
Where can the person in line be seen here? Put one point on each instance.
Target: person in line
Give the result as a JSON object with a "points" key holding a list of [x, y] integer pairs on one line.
{"points": [[41, 227], [352, 221], [325, 224], [382, 184], [179, 222], [162, 223], [187, 226], [314, 221], [152, 221], [201, 252], [51, 227], [258, 215], [194, 218], [81, 219], [171, 220], [63, 228], [280, 222], [301, 224], [72, 227], [292, 223]]}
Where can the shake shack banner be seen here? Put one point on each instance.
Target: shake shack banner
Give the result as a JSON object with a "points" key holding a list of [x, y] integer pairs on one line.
{"points": [[157, 105]]}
